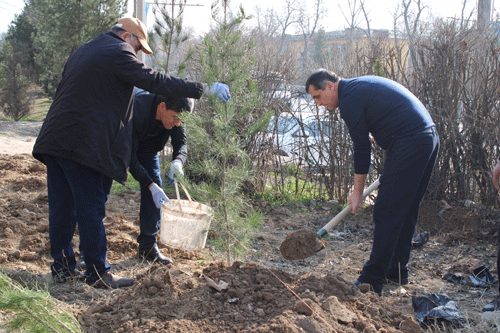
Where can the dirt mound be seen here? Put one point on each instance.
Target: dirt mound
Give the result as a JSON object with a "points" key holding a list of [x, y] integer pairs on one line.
{"points": [[256, 300], [469, 224], [266, 292]]}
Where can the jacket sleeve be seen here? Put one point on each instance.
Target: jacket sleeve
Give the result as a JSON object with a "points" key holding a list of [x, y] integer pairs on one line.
{"points": [[179, 143], [131, 70]]}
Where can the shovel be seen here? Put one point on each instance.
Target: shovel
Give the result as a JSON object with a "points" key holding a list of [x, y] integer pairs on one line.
{"points": [[304, 242]]}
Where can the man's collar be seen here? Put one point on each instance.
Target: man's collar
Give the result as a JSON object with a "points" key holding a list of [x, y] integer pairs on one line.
{"points": [[112, 34]]}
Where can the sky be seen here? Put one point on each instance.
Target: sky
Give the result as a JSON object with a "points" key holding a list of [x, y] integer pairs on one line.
{"points": [[198, 15]]}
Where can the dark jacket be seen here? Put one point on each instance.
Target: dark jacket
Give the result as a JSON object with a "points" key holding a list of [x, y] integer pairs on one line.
{"points": [[150, 136], [90, 120]]}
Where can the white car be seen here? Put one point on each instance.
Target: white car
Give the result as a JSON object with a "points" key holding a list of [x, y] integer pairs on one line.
{"points": [[302, 138]]}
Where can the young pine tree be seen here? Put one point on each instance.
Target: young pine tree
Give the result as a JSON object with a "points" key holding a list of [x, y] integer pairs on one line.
{"points": [[169, 37], [218, 130], [61, 26], [15, 84]]}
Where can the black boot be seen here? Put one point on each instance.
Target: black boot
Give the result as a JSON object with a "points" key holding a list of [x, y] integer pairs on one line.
{"points": [[154, 255]]}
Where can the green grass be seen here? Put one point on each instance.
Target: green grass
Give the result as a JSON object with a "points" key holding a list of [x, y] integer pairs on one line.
{"points": [[40, 110], [33, 310], [132, 184], [305, 192]]}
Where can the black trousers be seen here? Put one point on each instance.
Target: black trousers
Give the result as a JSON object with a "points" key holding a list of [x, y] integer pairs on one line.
{"points": [[403, 183]]}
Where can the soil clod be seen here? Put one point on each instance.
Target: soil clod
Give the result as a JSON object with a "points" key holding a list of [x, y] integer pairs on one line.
{"points": [[301, 244]]}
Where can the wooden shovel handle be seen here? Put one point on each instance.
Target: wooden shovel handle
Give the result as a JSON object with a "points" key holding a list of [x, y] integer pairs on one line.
{"points": [[333, 222]]}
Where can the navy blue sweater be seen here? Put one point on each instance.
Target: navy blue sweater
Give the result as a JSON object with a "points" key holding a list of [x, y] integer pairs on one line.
{"points": [[382, 107]]}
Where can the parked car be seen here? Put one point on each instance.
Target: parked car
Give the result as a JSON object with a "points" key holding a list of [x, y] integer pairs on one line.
{"points": [[279, 134], [300, 133], [303, 137]]}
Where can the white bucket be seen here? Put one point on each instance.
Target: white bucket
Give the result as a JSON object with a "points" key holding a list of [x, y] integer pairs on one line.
{"points": [[185, 224]]}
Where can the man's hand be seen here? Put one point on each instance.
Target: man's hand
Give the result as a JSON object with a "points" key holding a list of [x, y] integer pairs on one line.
{"points": [[356, 200], [158, 195], [219, 89], [496, 176], [175, 171], [356, 197]]}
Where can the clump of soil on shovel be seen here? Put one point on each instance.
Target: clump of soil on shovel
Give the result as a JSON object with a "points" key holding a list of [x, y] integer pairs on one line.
{"points": [[301, 244]]}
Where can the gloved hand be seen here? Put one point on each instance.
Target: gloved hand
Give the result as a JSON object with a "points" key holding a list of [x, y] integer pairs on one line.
{"points": [[219, 89], [158, 195], [175, 171]]}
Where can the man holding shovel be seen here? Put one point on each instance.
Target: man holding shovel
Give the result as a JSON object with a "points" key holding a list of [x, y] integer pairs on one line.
{"points": [[401, 125]]}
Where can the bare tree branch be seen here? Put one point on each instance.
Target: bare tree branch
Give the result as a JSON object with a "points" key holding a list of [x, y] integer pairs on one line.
{"points": [[309, 23], [290, 16], [367, 20], [352, 18]]}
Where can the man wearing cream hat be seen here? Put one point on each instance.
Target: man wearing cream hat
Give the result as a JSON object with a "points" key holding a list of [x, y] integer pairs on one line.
{"points": [[86, 138], [137, 29]]}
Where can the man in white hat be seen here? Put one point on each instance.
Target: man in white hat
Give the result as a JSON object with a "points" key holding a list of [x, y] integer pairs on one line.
{"points": [[86, 139]]}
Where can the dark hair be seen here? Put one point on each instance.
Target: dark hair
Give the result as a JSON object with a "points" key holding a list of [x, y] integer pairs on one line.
{"points": [[176, 104], [319, 79]]}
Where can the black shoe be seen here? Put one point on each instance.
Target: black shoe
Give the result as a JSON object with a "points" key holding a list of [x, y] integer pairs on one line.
{"points": [[493, 306], [154, 255], [108, 280], [366, 287], [63, 276]]}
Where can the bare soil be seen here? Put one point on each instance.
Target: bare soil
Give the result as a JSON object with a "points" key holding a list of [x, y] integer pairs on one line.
{"points": [[265, 292]]}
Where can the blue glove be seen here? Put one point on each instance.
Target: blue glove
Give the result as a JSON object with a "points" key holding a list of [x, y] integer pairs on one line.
{"points": [[158, 195], [175, 171], [219, 89]]}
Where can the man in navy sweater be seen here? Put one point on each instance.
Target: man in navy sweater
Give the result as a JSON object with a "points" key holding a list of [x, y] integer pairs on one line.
{"points": [[401, 125], [158, 120]]}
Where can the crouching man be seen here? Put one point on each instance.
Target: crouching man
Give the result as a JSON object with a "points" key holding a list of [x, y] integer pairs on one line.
{"points": [[157, 121]]}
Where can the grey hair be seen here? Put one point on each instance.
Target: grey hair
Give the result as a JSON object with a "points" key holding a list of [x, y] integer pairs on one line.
{"points": [[119, 31]]}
